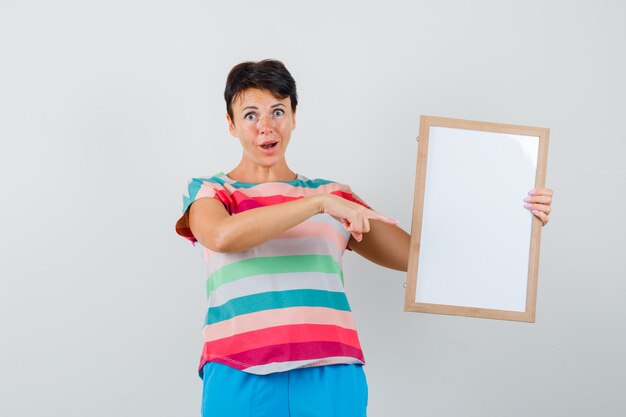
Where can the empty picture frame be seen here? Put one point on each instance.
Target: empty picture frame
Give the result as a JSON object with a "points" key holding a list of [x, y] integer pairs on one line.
{"points": [[474, 247]]}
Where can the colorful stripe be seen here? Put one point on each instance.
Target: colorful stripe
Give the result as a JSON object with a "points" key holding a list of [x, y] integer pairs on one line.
{"points": [[286, 245], [277, 299], [298, 351], [272, 265], [273, 318], [282, 335], [305, 354], [260, 283]]}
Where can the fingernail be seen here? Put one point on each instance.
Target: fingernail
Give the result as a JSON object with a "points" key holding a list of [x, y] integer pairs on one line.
{"points": [[526, 198], [527, 205]]}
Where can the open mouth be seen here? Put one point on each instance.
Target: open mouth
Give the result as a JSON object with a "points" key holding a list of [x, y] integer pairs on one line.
{"points": [[269, 145]]}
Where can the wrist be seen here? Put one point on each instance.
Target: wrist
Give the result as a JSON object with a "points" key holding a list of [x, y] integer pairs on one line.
{"points": [[319, 203]]}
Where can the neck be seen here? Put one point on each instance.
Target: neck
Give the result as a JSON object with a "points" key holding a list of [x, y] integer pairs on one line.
{"points": [[247, 173]]}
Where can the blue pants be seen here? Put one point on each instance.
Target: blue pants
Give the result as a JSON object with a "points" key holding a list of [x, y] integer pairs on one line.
{"points": [[320, 391]]}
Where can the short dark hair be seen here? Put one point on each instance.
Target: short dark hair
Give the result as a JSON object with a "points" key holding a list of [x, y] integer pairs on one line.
{"points": [[269, 74]]}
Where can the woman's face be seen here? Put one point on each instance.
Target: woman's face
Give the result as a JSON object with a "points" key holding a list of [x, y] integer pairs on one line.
{"points": [[263, 125]]}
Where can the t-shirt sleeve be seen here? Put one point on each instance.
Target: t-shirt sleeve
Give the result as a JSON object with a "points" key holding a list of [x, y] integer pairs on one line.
{"points": [[198, 188]]}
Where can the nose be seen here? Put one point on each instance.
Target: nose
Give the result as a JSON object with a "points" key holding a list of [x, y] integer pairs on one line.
{"points": [[265, 124]]}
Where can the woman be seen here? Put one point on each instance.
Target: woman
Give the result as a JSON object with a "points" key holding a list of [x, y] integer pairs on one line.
{"points": [[280, 339]]}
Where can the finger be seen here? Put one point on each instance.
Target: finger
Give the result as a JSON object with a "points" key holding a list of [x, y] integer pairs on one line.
{"points": [[538, 207], [357, 236], [541, 191], [541, 216], [365, 225], [377, 216], [350, 227], [543, 199], [359, 223]]}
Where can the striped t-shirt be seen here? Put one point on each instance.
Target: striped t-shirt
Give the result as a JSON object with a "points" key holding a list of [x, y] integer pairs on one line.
{"points": [[280, 305]]}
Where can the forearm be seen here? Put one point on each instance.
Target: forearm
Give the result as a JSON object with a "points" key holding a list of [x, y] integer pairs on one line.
{"points": [[386, 245], [256, 226]]}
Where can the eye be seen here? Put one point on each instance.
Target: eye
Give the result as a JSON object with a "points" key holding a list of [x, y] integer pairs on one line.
{"points": [[278, 112], [250, 116]]}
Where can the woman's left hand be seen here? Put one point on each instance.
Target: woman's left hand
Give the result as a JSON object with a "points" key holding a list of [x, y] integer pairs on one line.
{"points": [[539, 201]]}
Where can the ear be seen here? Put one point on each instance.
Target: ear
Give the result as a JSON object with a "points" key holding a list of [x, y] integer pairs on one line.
{"points": [[231, 125], [293, 119]]}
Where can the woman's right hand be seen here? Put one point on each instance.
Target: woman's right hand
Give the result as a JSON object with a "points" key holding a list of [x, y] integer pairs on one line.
{"points": [[354, 217]]}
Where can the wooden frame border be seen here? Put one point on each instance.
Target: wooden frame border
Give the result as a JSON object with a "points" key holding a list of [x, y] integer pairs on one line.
{"points": [[418, 205]]}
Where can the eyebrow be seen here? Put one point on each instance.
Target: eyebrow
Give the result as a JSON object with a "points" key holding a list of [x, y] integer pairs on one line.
{"points": [[256, 108]]}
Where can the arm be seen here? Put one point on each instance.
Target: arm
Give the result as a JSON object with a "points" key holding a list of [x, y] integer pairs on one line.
{"points": [[215, 229], [385, 244], [388, 245]]}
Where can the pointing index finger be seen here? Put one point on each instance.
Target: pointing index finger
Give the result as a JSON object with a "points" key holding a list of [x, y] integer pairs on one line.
{"points": [[377, 216]]}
